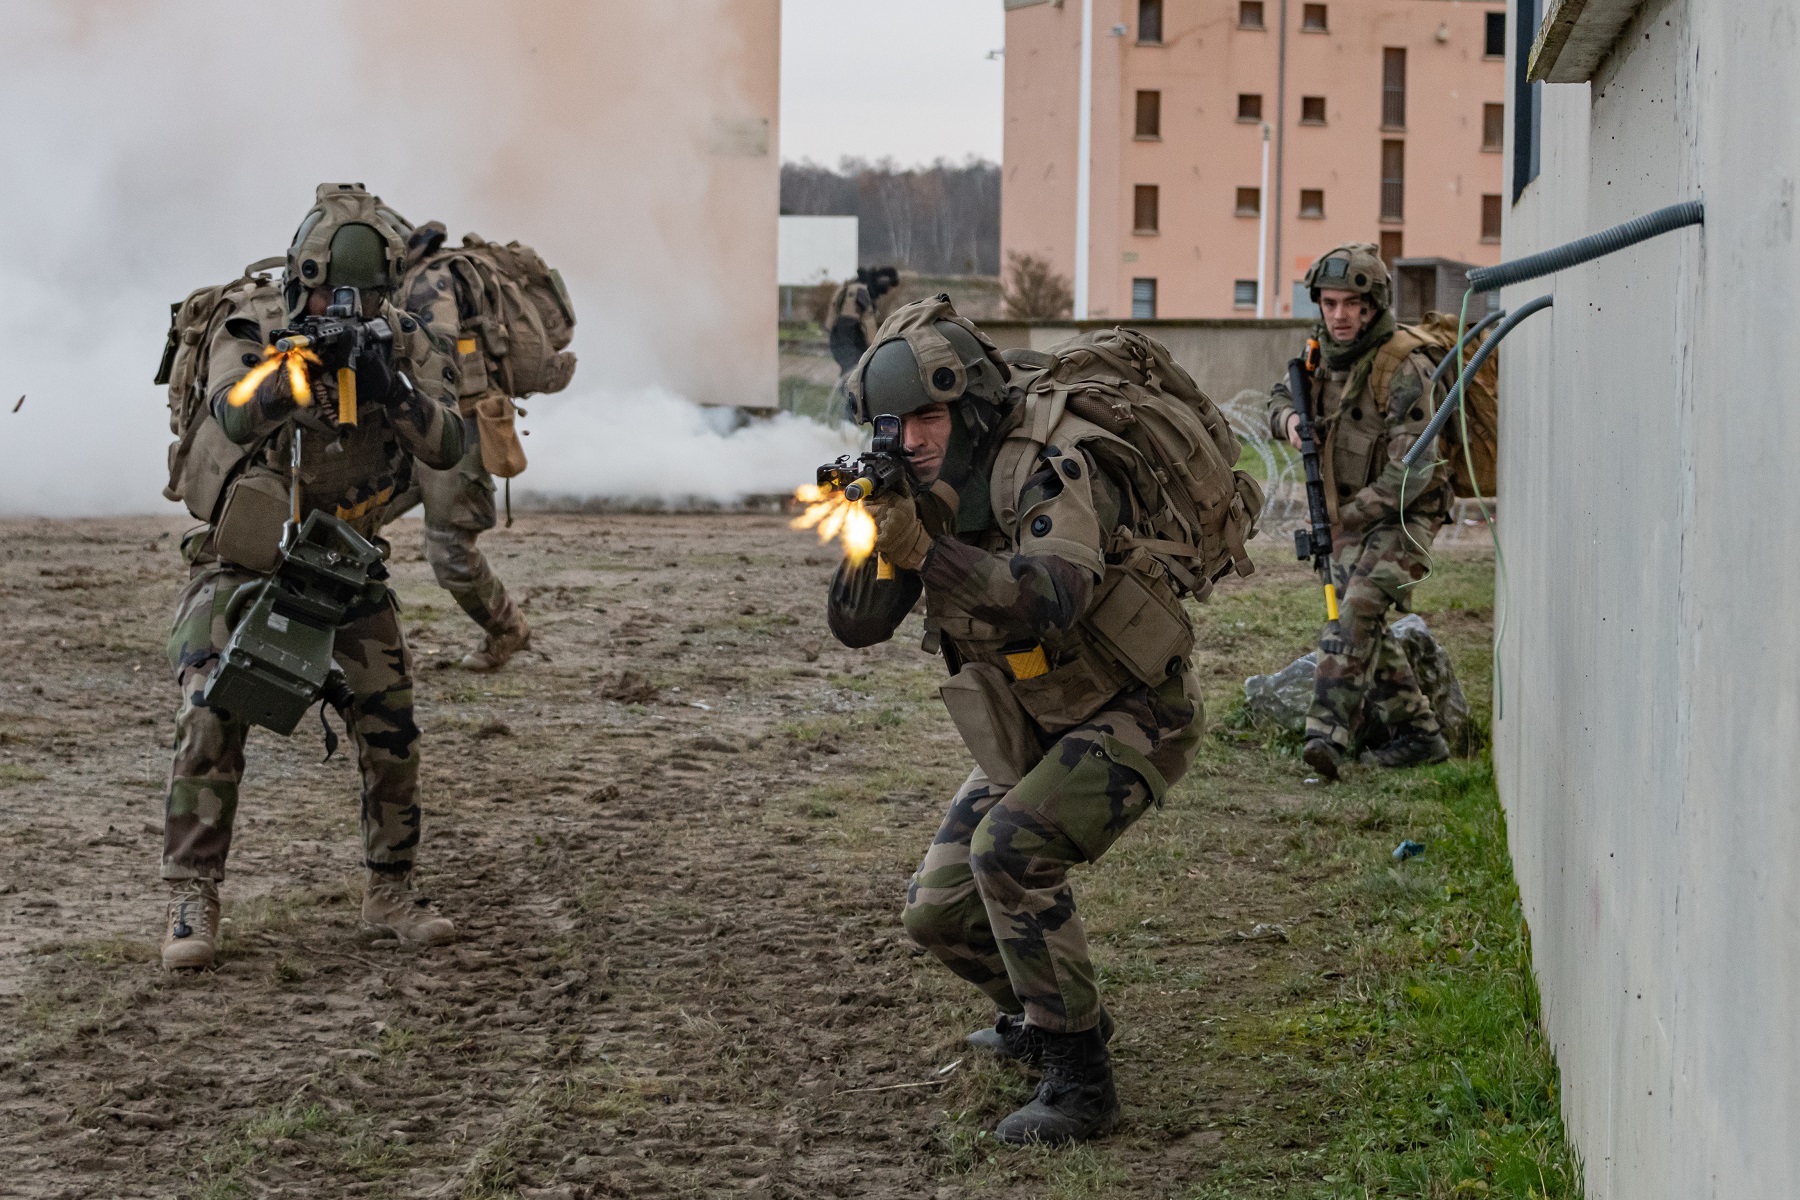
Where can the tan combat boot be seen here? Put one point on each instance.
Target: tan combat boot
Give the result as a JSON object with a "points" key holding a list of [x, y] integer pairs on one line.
{"points": [[192, 937], [391, 906], [497, 649]]}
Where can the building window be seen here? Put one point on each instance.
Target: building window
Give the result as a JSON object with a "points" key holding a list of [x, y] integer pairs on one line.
{"points": [[1145, 202], [1250, 14], [1493, 127], [1496, 35], [1312, 110], [1393, 88], [1312, 204], [1249, 106], [1143, 299], [1392, 247], [1526, 121], [1149, 22], [1490, 218], [1243, 294], [1312, 19], [1393, 181], [1149, 114], [1249, 202]]}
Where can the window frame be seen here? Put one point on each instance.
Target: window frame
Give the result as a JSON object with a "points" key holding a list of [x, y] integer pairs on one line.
{"points": [[1238, 293], [1250, 120], [1324, 11], [1243, 210], [1490, 125], [1489, 41], [1393, 89], [1139, 283], [1141, 192], [1147, 6], [1322, 118], [1498, 208], [1317, 211], [1527, 101], [1396, 214], [1262, 15], [1397, 238], [1154, 135]]}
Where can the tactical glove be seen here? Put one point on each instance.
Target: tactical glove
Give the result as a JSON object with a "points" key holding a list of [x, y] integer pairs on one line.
{"points": [[900, 536]]}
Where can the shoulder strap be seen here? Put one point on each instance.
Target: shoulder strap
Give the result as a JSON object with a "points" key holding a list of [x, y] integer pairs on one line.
{"points": [[1407, 339]]}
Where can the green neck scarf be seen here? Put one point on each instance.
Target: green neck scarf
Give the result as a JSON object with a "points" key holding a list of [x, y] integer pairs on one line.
{"points": [[1358, 356]]}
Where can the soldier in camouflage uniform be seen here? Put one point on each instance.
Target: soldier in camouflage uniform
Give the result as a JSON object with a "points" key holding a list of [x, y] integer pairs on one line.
{"points": [[459, 507], [1370, 405], [406, 410], [1071, 747]]}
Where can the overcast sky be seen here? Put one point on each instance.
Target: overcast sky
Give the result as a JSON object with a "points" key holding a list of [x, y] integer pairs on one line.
{"points": [[903, 78]]}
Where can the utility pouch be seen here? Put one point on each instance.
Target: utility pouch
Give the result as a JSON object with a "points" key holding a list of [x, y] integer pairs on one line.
{"points": [[1146, 632], [501, 452], [248, 532], [206, 460], [471, 366], [993, 725]]}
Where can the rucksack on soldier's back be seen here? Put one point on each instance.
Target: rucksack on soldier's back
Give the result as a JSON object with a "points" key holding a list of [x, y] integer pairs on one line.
{"points": [[202, 460], [1436, 336], [1157, 430]]}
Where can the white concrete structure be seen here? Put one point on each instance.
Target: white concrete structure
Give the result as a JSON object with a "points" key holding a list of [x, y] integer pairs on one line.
{"points": [[815, 249], [1649, 747]]}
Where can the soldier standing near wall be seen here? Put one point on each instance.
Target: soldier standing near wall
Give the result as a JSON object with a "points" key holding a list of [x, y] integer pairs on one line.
{"points": [[1072, 745], [406, 410], [1369, 405], [853, 313]]}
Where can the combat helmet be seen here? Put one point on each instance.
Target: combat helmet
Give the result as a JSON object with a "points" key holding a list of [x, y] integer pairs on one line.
{"points": [[925, 354], [349, 239], [1352, 267]]}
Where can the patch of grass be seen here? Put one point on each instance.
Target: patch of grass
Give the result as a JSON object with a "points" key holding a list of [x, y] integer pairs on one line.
{"points": [[12, 773]]}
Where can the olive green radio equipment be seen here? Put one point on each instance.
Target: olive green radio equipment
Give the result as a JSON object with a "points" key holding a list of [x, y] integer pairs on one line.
{"points": [[277, 662]]}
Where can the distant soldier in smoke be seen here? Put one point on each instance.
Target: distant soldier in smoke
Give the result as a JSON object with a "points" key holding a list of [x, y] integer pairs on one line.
{"points": [[1369, 401], [514, 318], [236, 473]]}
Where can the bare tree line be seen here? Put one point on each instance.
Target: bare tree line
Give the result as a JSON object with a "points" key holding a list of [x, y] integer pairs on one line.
{"points": [[943, 219]]}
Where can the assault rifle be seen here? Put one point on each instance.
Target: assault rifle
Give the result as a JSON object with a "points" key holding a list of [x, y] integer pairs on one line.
{"points": [[347, 335], [1314, 543], [882, 469]]}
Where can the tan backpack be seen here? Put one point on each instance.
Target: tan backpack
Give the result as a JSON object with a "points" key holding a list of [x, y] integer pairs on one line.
{"points": [[1124, 399], [202, 460], [516, 319], [1436, 336]]}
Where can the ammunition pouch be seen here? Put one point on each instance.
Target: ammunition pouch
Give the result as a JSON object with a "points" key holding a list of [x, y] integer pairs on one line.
{"points": [[993, 724], [1143, 628], [204, 462], [278, 659], [248, 533], [502, 454]]}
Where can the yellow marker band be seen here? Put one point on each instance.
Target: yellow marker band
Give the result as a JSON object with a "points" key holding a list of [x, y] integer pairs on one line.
{"points": [[1331, 608], [465, 345], [346, 396], [1028, 664], [883, 568]]}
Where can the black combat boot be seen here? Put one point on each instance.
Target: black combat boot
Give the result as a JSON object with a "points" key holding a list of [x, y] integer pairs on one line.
{"points": [[1323, 756], [1010, 1037], [1075, 1100], [1409, 748]]}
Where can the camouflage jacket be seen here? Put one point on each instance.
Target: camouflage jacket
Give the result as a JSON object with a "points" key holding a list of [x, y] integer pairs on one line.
{"points": [[993, 592], [1362, 446], [351, 472]]}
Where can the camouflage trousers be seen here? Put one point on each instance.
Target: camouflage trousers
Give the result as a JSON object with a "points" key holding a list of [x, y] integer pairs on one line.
{"points": [[459, 507], [202, 798], [992, 898], [1363, 671]]}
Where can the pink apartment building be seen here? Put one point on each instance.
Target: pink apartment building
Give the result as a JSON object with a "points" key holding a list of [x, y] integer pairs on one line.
{"points": [[1385, 120]]}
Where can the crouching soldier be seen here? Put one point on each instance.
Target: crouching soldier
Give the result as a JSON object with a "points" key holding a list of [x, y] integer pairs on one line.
{"points": [[346, 256], [1369, 401], [1028, 603]]}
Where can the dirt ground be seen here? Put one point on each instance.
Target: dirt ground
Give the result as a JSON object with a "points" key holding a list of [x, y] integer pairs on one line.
{"points": [[680, 969]]}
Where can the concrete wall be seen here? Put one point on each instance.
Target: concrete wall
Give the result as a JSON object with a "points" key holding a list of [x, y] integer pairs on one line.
{"points": [[1647, 746], [1224, 357], [1205, 153]]}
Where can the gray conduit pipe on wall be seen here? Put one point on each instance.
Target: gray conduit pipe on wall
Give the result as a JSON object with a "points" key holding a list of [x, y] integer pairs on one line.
{"points": [[1454, 400]]}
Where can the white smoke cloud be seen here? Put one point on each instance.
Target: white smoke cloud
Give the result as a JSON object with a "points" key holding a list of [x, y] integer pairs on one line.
{"points": [[155, 146]]}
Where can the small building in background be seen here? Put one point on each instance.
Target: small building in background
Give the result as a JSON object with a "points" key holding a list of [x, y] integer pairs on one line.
{"points": [[811, 251], [1387, 123]]}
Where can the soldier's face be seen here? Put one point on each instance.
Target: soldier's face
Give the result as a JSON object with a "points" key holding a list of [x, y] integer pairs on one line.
{"points": [[926, 436], [1345, 313]]}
